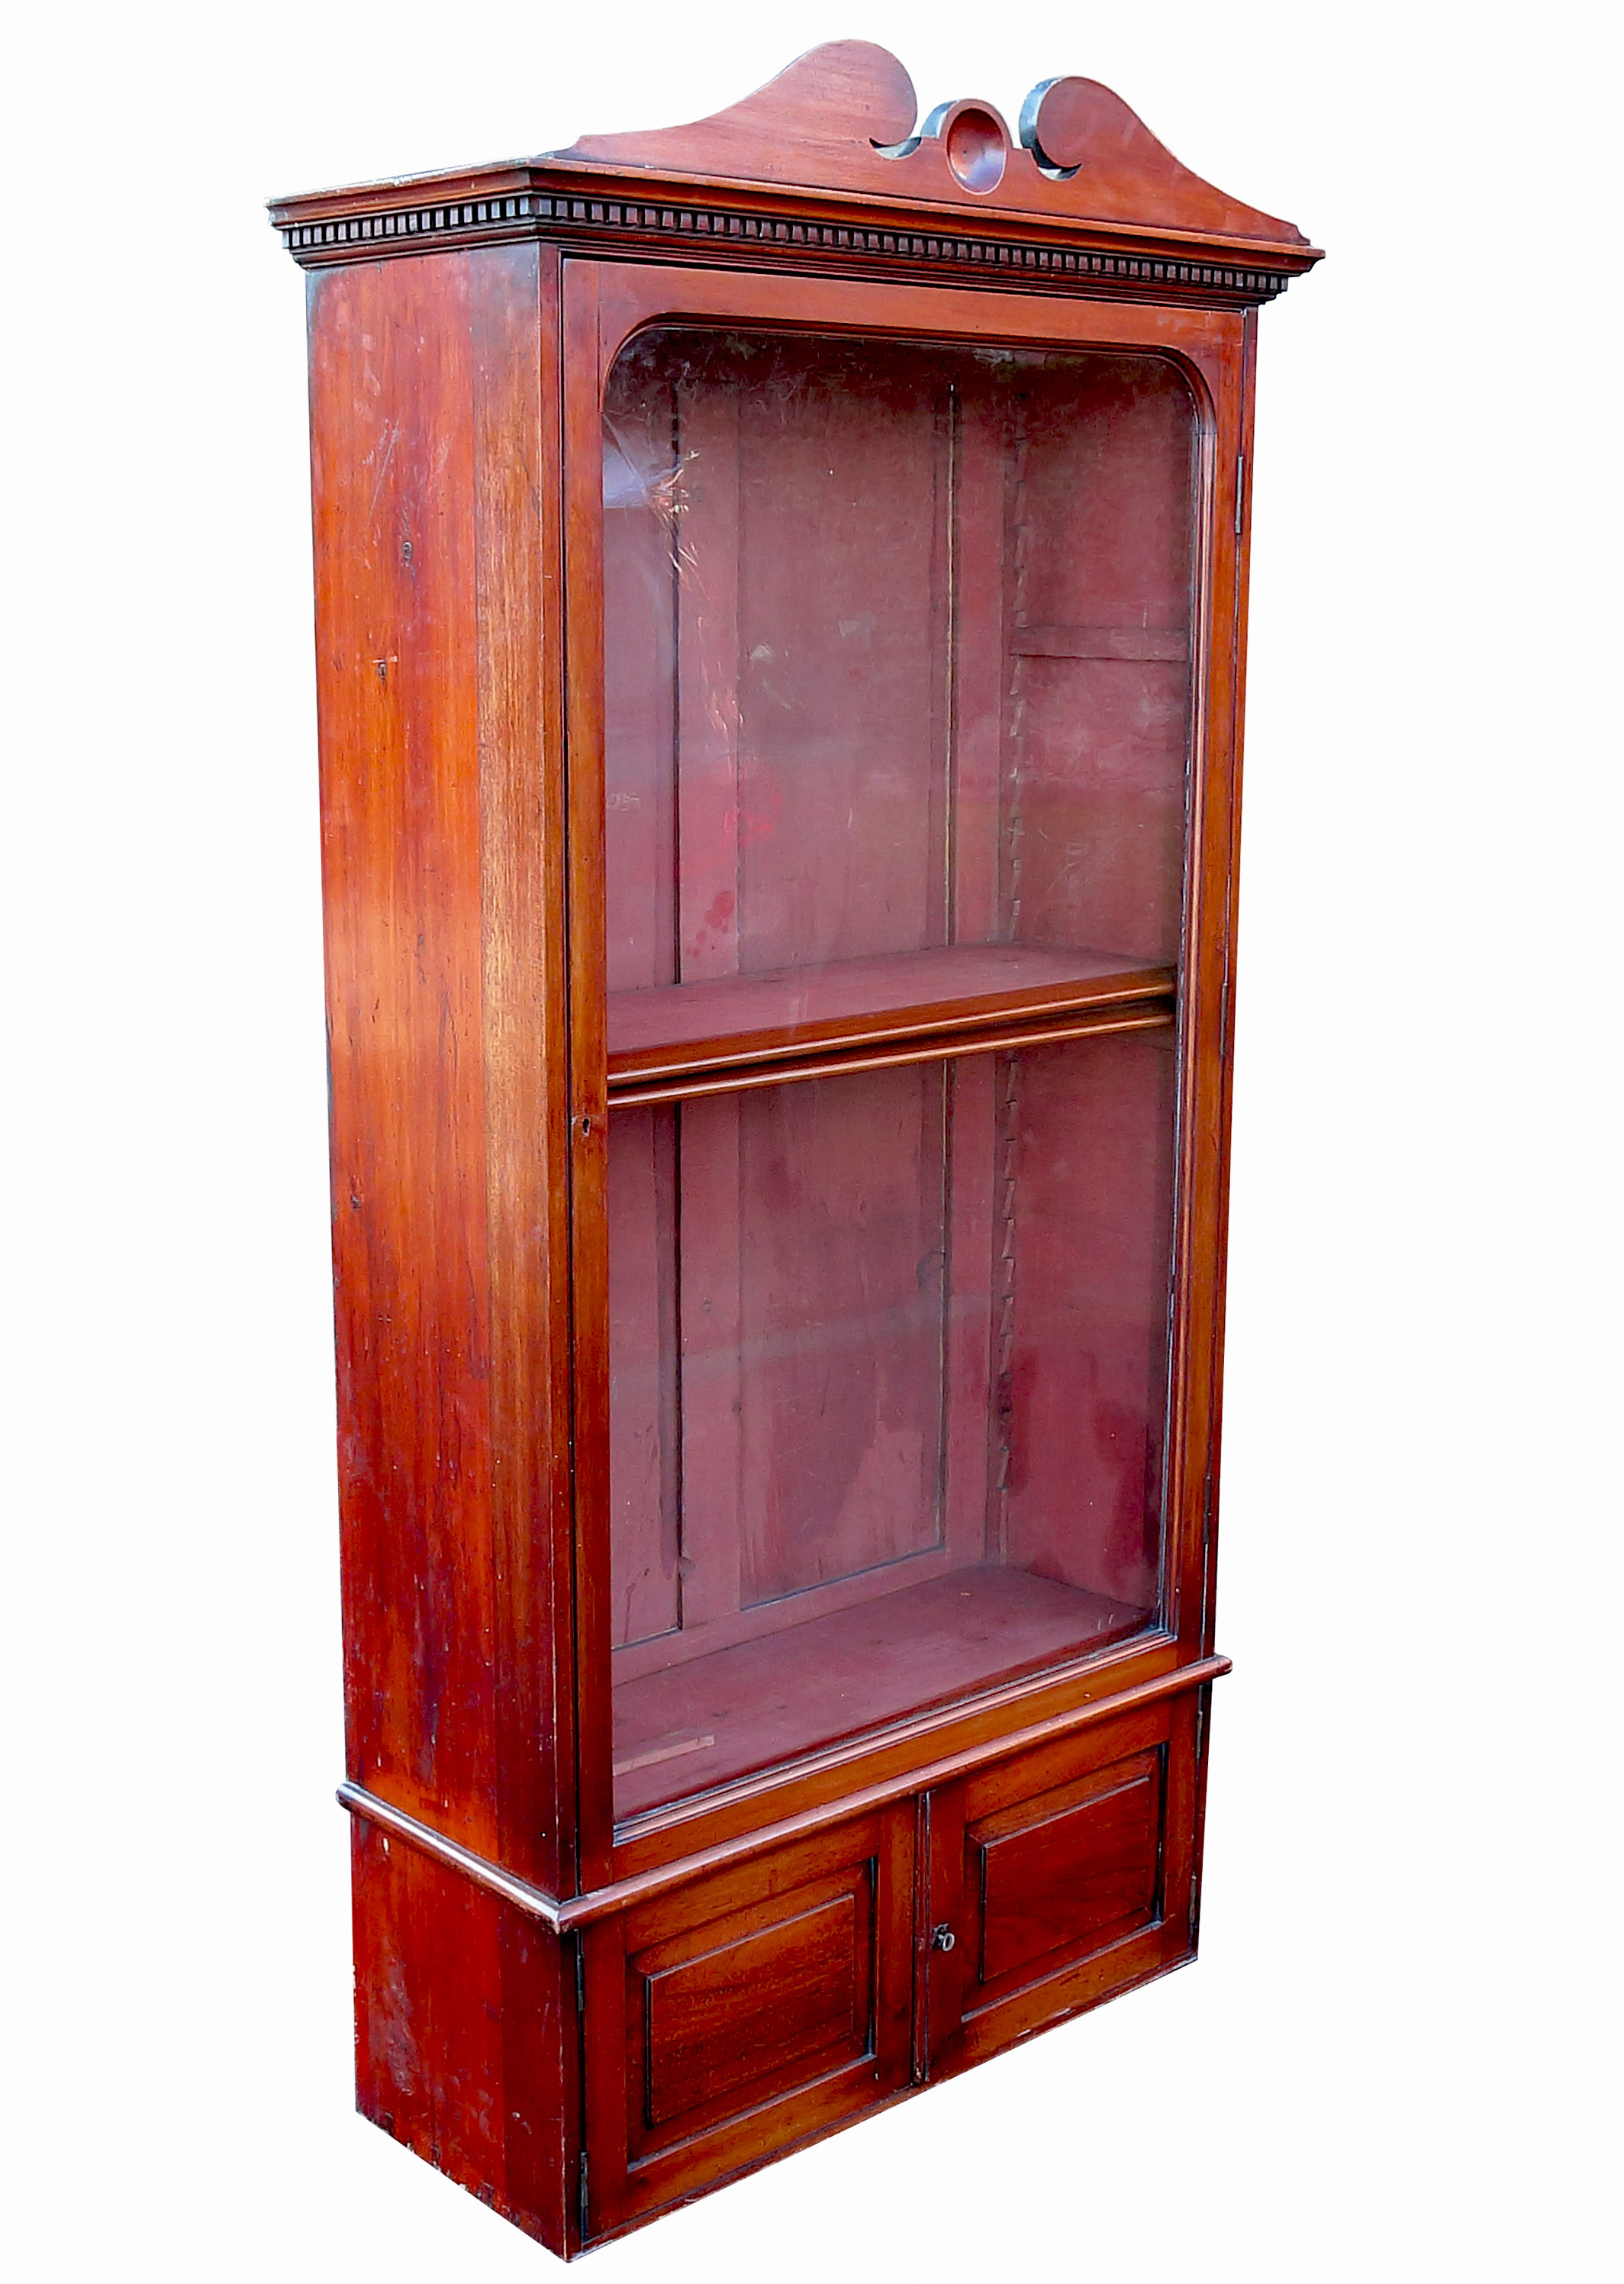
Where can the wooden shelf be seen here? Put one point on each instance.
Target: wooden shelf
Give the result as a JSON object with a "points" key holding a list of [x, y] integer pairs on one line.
{"points": [[696, 1725], [684, 1029]]}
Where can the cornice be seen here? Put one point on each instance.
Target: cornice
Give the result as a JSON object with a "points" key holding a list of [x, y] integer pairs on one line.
{"points": [[797, 176], [657, 220]]}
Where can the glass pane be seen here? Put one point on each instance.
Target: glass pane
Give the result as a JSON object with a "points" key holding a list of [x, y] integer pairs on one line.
{"points": [[897, 658], [887, 1397], [897, 704]]}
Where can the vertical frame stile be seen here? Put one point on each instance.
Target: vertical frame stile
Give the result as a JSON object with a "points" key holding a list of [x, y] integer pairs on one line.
{"points": [[943, 1900], [1241, 523], [514, 325], [521, 786], [582, 491], [921, 1900], [563, 1672], [1184, 1778], [605, 2067], [1201, 1726], [1202, 1130]]}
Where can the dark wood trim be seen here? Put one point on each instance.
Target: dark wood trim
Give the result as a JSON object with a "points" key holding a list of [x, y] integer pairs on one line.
{"points": [[1155, 269], [565, 1914]]}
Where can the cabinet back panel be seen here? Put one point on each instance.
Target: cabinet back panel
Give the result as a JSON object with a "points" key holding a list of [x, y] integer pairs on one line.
{"points": [[776, 1333], [877, 1339], [643, 1375], [1101, 518], [842, 1316], [1090, 1170]]}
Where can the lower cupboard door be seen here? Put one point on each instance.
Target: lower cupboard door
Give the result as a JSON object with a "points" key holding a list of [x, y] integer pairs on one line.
{"points": [[745, 2010], [1056, 1878]]}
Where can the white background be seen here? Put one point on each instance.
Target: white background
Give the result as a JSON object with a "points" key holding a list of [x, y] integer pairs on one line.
{"points": [[1394, 2059]]}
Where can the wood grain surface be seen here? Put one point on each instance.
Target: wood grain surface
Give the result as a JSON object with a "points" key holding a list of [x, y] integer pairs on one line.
{"points": [[884, 878]]}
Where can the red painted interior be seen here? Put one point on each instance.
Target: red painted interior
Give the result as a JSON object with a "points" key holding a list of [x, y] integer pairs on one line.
{"points": [[898, 676]]}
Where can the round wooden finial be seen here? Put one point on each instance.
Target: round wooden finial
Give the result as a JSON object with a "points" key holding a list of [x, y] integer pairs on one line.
{"points": [[977, 146]]}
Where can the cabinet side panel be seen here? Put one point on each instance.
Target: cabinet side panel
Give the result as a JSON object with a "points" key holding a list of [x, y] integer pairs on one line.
{"points": [[458, 2002], [434, 447], [1089, 1143], [392, 453]]}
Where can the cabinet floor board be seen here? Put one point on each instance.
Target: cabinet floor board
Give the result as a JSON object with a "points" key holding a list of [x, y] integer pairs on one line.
{"points": [[710, 1719]]}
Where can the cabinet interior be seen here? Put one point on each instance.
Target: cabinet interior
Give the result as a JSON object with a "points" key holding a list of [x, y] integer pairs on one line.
{"points": [[897, 717]]}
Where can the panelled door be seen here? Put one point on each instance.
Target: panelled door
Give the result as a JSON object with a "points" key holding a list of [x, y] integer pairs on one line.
{"points": [[1054, 1879], [755, 2008], [762, 2004]]}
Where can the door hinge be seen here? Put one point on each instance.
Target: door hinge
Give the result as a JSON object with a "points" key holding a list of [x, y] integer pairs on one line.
{"points": [[583, 2196], [1240, 493], [581, 1977]]}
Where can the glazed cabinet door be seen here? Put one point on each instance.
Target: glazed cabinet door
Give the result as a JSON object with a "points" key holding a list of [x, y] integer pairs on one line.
{"points": [[1056, 1879], [891, 678], [739, 2015]]}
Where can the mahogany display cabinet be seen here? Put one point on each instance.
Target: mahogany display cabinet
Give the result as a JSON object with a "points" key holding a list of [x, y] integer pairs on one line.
{"points": [[780, 614]]}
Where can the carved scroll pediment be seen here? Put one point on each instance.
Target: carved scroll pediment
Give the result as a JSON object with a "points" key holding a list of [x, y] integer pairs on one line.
{"points": [[843, 117]]}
